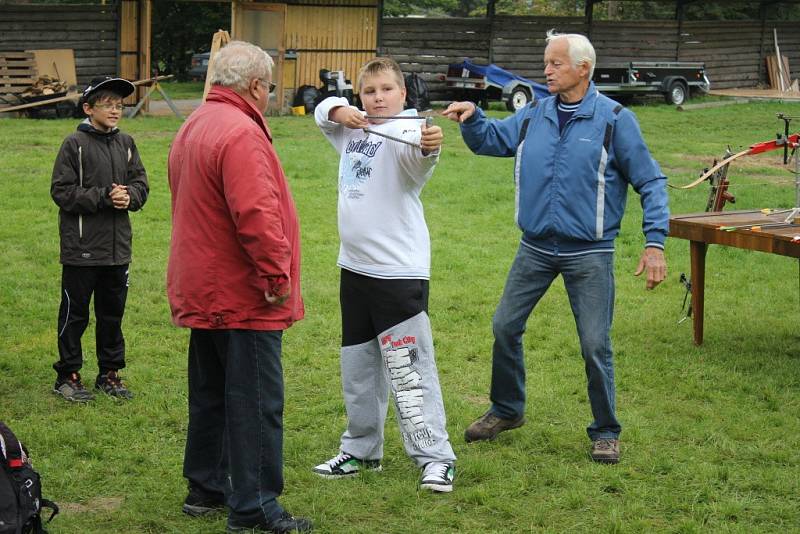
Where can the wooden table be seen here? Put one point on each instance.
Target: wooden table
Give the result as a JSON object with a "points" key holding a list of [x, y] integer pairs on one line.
{"points": [[703, 229]]}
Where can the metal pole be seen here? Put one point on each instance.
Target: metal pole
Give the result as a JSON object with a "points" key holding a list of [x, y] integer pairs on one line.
{"points": [[794, 215], [797, 178]]}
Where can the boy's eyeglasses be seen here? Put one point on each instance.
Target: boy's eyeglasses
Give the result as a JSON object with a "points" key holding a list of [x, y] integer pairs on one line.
{"points": [[269, 86], [109, 107]]}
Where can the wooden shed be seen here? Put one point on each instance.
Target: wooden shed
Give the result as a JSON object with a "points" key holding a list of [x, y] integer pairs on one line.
{"points": [[304, 36]]}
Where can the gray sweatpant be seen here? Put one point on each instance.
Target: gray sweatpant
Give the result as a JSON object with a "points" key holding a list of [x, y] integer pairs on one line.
{"points": [[399, 361]]}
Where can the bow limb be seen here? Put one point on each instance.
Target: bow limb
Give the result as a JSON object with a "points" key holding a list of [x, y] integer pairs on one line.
{"points": [[706, 175]]}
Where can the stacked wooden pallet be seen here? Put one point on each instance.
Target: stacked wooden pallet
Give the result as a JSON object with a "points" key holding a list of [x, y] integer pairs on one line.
{"points": [[17, 72]]}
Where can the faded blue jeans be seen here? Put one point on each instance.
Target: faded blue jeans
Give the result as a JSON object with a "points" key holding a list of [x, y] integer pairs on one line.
{"points": [[589, 281], [234, 442]]}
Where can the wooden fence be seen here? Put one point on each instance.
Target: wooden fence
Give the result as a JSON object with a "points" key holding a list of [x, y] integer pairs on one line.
{"points": [[733, 51], [89, 30], [332, 37]]}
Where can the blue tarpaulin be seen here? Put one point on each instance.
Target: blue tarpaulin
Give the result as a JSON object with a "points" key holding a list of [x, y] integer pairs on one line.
{"points": [[501, 77]]}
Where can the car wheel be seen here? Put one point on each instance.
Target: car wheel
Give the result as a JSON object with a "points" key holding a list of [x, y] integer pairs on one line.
{"points": [[676, 93], [519, 99]]}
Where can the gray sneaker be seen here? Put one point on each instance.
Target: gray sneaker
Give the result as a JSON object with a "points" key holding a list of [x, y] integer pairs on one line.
{"points": [[605, 451], [438, 477], [488, 426], [71, 388]]}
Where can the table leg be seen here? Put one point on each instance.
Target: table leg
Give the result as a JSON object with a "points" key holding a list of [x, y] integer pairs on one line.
{"points": [[698, 259]]}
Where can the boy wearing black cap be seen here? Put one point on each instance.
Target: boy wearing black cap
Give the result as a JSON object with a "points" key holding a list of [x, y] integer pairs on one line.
{"points": [[97, 179]]}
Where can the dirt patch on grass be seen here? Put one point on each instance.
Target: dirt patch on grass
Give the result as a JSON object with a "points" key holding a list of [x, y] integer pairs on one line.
{"points": [[742, 167], [477, 400], [99, 504]]}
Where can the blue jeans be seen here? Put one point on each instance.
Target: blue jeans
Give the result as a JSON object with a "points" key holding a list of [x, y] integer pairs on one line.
{"points": [[234, 442], [589, 281]]}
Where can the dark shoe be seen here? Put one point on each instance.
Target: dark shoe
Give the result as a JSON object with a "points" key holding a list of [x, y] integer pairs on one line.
{"points": [[345, 465], [438, 477], [488, 426], [285, 523], [71, 388], [605, 451], [201, 502], [111, 384]]}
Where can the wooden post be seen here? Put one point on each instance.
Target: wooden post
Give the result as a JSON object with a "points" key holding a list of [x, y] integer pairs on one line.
{"points": [[490, 9], [235, 10], [589, 12], [762, 68], [145, 34], [378, 33], [220, 39], [680, 12]]}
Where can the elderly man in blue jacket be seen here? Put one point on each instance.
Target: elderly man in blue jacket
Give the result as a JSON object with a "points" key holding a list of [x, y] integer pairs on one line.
{"points": [[576, 153]]}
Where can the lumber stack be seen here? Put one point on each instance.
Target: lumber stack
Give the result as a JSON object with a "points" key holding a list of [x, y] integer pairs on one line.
{"points": [[780, 77], [17, 72], [779, 80]]}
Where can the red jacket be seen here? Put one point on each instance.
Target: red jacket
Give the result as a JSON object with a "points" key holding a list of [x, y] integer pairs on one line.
{"points": [[235, 232]]}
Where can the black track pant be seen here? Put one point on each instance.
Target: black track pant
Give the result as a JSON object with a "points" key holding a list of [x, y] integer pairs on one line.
{"points": [[371, 305], [109, 284]]}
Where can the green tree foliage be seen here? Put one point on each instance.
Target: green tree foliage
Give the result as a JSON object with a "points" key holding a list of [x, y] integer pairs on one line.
{"points": [[453, 8], [606, 10], [183, 28], [541, 8]]}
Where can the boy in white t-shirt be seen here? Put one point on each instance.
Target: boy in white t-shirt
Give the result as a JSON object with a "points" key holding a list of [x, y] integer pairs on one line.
{"points": [[384, 255]]}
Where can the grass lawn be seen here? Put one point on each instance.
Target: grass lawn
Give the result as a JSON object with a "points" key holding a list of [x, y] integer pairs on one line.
{"points": [[711, 434], [180, 90]]}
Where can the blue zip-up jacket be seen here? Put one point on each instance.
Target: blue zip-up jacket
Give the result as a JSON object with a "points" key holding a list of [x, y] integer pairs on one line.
{"points": [[571, 186]]}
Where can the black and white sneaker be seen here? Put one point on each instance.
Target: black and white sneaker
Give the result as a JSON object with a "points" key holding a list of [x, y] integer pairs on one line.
{"points": [[345, 465], [438, 476]]}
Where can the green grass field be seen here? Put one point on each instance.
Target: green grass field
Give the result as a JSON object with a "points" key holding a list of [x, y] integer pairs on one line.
{"points": [[180, 90], [711, 434]]}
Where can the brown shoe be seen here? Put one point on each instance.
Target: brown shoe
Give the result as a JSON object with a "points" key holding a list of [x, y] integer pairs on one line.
{"points": [[605, 451], [489, 425]]}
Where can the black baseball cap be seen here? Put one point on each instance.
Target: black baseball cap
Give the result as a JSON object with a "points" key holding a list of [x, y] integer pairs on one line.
{"points": [[120, 86]]}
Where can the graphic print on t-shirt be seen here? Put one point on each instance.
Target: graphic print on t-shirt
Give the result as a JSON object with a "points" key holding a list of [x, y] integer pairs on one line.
{"points": [[355, 167]]}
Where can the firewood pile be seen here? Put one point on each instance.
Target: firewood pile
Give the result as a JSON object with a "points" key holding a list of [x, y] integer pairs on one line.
{"points": [[45, 86]]}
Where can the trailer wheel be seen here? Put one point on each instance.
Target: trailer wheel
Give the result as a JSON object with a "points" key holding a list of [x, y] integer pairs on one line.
{"points": [[676, 93], [519, 99]]}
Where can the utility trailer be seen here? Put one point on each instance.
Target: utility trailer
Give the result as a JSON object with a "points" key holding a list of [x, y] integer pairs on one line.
{"points": [[674, 79], [481, 83]]}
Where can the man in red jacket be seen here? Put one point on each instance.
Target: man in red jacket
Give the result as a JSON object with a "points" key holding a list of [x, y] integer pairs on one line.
{"points": [[234, 279]]}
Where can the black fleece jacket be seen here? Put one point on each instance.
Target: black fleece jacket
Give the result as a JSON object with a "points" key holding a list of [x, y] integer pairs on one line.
{"points": [[92, 231]]}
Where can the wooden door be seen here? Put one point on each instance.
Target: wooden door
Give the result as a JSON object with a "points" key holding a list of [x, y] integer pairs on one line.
{"points": [[134, 43]]}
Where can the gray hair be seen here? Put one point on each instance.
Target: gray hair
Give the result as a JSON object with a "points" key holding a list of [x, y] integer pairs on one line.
{"points": [[580, 49], [239, 62]]}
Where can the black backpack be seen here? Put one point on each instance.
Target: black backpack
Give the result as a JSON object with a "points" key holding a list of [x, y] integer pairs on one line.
{"points": [[417, 93], [21, 499]]}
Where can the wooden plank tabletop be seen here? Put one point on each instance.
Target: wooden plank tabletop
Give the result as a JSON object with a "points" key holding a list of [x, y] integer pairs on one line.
{"points": [[705, 227]]}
